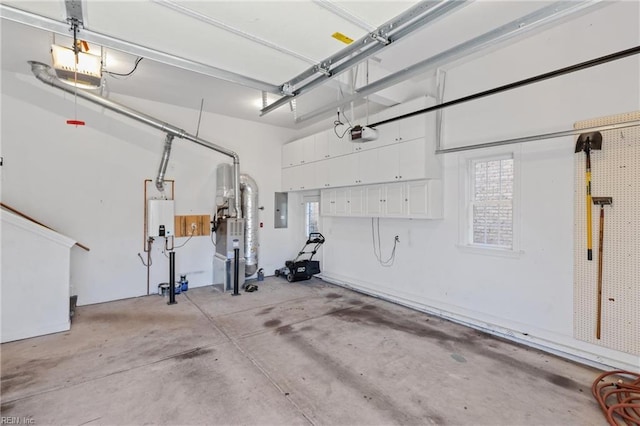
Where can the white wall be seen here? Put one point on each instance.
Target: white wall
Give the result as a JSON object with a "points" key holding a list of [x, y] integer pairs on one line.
{"points": [[35, 279], [528, 297], [87, 182]]}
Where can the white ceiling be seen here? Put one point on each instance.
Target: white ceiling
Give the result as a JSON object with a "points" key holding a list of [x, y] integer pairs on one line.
{"points": [[293, 34]]}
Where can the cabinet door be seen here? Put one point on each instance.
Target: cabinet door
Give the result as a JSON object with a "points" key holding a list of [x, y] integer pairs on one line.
{"points": [[411, 159], [388, 166], [306, 176], [367, 170], [321, 146], [290, 155], [327, 202], [374, 200], [342, 202], [417, 199], [299, 178], [413, 127], [323, 174], [339, 146], [292, 178], [288, 179], [394, 200], [307, 149], [424, 199], [341, 170], [357, 197], [387, 133]]}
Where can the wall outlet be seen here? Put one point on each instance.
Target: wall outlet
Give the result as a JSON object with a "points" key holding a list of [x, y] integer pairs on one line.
{"points": [[193, 225]]}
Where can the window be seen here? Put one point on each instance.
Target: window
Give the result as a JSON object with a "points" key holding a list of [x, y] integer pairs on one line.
{"points": [[311, 216], [489, 203]]}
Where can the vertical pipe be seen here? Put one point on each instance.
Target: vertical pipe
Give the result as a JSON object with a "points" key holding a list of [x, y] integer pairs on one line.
{"points": [[236, 269], [249, 189], [172, 278], [236, 185], [164, 162]]}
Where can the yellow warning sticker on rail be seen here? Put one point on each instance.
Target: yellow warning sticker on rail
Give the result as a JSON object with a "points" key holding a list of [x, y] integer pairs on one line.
{"points": [[343, 38]]}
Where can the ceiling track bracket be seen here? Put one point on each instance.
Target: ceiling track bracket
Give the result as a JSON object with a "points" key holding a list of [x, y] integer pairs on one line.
{"points": [[323, 69], [380, 38], [287, 90], [74, 12]]}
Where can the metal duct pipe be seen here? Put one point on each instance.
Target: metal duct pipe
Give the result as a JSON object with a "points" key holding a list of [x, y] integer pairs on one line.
{"points": [[42, 73], [164, 163], [249, 189]]}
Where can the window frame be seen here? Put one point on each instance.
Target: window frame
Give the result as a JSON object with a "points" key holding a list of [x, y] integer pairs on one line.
{"points": [[467, 164], [305, 201]]}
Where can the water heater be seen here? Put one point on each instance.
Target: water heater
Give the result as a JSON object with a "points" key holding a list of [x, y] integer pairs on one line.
{"points": [[160, 218]]}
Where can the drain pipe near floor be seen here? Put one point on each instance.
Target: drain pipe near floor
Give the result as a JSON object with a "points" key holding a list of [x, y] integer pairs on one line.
{"points": [[43, 73]]}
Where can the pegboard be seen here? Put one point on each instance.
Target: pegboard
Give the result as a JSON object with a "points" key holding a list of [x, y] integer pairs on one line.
{"points": [[615, 172]]}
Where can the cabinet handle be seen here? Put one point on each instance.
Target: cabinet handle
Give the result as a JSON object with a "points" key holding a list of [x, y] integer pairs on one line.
{"points": [[400, 177]]}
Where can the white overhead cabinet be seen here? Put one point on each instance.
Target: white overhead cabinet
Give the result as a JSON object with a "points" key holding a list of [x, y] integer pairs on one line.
{"points": [[413, 200], [338, 171], [356, 201], [299, 152], [299, 178], [403, 152], [406, 129]]}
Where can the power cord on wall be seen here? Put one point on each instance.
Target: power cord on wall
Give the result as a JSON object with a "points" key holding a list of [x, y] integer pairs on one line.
{"points": [[337, 123], [377, 246], [135, 67]]}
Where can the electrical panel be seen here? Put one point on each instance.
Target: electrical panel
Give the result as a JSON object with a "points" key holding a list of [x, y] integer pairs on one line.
{"points": [[160, 218], [281, 210]]}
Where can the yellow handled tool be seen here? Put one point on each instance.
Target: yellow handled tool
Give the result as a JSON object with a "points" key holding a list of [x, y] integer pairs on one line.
{"points": [[600, 201], [587, 142]]}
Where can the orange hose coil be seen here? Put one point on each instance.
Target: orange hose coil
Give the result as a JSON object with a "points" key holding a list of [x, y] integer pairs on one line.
{"points": [[619, 397]]}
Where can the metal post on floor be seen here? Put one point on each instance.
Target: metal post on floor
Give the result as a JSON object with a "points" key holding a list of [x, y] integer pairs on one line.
{"points": [[172, 278], [236, 267]]}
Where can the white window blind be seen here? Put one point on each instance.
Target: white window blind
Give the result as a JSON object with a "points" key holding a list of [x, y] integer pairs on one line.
{"points": [[312, 214], [491, 202]]}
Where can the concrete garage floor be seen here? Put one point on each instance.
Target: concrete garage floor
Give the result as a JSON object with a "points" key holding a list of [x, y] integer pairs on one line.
{"points": [[303, 353]]}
